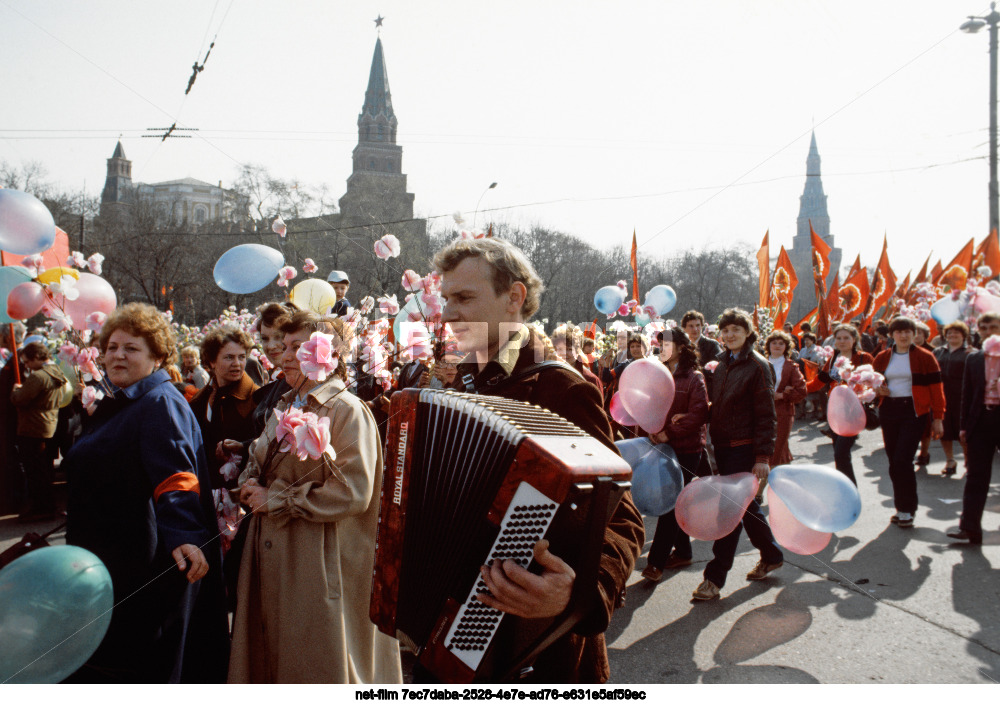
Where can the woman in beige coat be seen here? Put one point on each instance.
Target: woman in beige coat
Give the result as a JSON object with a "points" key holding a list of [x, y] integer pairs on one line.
{"points": [[305, 579]]}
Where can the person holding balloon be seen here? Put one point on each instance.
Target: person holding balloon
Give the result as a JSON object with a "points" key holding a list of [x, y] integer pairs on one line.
{"points": [[912, 397], [684, 431], [846, 344], [742, 427], [140, 499], [789, 389]]}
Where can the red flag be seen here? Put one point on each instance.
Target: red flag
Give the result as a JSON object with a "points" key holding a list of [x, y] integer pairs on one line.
{"points": [[810, 318], [854, 295], [635, 268], [54, 256], [591, 330], [811, 369], [883, 285], [957, 272], [820, 262], [764, 273], [922, 274], [783, 287], [988, 254], [903, 287], [855, 268], [936, 271], [834, 313]]}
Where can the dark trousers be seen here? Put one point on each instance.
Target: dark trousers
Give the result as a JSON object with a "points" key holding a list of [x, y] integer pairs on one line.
{"points": [[668, 534], [902, 429], [38, 472], [983, 442], [842, 455], [732, 460]]}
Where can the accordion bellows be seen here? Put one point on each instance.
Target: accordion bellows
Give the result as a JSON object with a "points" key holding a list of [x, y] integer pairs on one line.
{"points": [[469, 479]]}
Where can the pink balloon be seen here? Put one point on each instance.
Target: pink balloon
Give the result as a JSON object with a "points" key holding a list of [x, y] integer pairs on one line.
{"points": [[647, 390], [844, 412], [789, 532], [710, 508], [24, 300], [96, 295], [618, 412], [986, 302]]}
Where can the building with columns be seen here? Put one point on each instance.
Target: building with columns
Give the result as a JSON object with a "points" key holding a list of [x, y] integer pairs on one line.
{"points": [[812, 208]]}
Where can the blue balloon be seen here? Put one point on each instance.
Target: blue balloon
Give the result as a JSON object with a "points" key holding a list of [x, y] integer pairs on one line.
{"points": [[946, 311], [662, 298], [26, 225], [820, 497], [247, 268], [657, 480], [55, 607], [634, 449], [10, 276], [642, 320], [609, 299]]}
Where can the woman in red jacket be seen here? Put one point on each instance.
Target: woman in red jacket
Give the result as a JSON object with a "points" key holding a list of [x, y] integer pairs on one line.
{"points": [[685, 433], [789, 389], [847, 343], [913, 392]]}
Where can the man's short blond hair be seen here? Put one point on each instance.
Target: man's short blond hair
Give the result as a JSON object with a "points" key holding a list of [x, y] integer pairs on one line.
{"points": [[509, 265]]}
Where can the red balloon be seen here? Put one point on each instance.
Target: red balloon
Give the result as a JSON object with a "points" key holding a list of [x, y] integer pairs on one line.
{"points": [[618, 412], [790, 532], [25, 300], [844, 412], [710, 508], [647, 390]]}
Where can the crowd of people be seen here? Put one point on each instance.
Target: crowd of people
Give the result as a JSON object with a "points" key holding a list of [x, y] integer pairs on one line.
{"points": [[240, 552]]}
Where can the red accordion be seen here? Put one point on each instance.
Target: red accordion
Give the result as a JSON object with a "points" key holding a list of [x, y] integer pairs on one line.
{"points": [[469, 479]]}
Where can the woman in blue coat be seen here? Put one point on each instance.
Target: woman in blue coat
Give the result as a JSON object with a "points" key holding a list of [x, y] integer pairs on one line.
{"points": [[140, 499]]}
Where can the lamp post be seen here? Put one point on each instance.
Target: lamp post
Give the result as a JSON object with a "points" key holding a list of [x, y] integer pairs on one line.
{"points": [[476, 214], [971, 26]]}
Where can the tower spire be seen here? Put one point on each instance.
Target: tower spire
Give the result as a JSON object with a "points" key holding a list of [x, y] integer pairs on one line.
{"points": [[812, 202]]}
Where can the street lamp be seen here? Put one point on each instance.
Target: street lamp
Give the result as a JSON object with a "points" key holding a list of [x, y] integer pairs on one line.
{"points": [[476, 214], [971, 26]]}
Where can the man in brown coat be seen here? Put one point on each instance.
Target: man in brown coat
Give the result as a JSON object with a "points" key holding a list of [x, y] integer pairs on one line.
{"points": [[491, 290], [37, 402]]}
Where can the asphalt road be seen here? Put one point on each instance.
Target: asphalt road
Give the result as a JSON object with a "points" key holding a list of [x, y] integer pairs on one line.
{"points": [[879, 604]]}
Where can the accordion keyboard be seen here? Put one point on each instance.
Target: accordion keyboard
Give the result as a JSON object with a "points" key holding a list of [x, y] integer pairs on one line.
{"points": [[526, 521]]}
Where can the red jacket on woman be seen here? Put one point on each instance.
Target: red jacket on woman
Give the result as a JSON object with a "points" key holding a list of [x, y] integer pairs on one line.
{"points": [[687, 435], [928, 388]]}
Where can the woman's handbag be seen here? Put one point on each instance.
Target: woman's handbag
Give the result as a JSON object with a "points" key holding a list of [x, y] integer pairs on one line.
{"points": [[871, 416]]}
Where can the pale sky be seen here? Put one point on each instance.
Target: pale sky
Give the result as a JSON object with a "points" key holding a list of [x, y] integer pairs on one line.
{"points": [[688, 122]]}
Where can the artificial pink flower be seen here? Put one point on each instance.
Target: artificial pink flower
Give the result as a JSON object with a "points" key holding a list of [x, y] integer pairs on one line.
{"points": [[34, 264], [412, 280], [388, 304], [431, 305], [710, 367], [991, 346], [288, 421], [419, 342], [95, 321], [94, 263], [312, 437], [432, 283], [77, 259], [867, 396], [366, 305], [67, 353], [231, 469], [278, 227], [387, 247], [60, 321], [86, 359], [90, 398], [309, 266], [318, 356], [984, 272], [285, 274]]}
